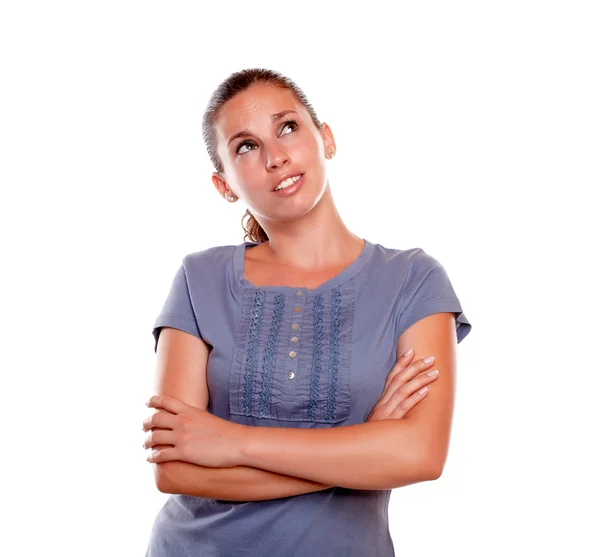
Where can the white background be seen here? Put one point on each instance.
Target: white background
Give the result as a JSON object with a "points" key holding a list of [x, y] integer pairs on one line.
{"points": [[470, 129]]}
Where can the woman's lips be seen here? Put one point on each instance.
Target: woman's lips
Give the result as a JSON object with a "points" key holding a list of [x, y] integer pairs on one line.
{"points": [[290, 190]]}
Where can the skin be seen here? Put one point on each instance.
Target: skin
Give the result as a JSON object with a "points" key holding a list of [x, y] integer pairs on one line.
{"points": [[306, 233], [307, 242]]}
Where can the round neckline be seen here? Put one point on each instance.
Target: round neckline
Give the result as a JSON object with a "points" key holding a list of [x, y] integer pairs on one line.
{"points": [[343, 276]]}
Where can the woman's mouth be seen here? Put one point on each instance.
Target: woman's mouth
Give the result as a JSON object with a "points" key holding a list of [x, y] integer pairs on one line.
{"points": [[290, 186]]}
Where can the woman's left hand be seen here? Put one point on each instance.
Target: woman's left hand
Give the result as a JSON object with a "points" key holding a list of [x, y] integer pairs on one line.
{"points": [[196, 435]]}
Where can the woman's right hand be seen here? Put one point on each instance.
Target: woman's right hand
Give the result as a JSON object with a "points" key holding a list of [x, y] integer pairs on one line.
{"points": [[401, 390]]}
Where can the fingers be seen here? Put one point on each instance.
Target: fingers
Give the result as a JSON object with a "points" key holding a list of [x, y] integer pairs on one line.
{"points": [[413, 386], [161, 425], [161, 419], [160, 437], [402, 386], [169, 403], [409, 370], [402, 373], [400, 365], [402, 409], [163, 455]]}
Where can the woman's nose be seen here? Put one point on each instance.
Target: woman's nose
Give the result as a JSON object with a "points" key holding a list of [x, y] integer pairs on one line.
{"points": [[276, 157]]}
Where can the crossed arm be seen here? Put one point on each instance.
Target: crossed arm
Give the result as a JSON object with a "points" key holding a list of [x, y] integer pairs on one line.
{"points": [[280, 462], [239, 483]]}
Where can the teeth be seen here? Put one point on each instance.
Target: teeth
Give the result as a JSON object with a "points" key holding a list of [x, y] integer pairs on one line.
{"points": [[288, 182]]}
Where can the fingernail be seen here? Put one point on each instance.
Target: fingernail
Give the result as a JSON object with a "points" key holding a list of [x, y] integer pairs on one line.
{"points": [[423, 391], [433, 372], [408, 352], [429, 359]]}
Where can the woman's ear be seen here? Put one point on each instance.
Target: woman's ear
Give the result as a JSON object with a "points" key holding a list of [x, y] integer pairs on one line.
{"points": [[220, 183], [328, 139]]}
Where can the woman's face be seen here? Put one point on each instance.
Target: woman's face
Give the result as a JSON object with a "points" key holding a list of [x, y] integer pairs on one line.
{"points": [[264, 134]]}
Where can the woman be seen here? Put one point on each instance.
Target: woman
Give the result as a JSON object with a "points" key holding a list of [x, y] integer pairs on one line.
{"points": [[267, 348]]}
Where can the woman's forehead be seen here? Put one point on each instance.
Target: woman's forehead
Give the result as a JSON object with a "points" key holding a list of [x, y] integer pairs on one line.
{"points": [[260, 101]]}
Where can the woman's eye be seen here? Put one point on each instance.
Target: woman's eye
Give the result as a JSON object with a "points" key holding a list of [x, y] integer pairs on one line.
{"points": [[292, 124], [243, 145]]}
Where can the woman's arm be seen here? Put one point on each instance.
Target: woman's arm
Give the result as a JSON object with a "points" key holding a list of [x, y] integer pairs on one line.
{"points": [[181, 360], [376, 455], [240, 483]]}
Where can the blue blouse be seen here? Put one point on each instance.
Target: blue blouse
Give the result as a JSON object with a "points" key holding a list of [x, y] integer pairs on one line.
{"points": [[296, 357]]}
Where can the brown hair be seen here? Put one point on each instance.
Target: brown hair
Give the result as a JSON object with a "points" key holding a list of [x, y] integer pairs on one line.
{"points": [[236, 83]]}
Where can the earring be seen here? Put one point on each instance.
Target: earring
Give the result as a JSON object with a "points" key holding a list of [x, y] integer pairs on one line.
{"points": [[331, 154], [230, 198]]}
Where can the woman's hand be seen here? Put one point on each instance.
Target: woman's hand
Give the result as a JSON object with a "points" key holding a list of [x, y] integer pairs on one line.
{"points": [[401, 390], [196, 436]]}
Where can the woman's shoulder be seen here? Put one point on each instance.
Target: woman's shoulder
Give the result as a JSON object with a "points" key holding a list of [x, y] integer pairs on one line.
{"points": [[394, 270], [404, 259], [212, 256], [211, 252]]}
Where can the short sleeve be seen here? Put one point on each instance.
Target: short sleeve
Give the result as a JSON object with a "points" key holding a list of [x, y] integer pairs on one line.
{"points": [[428, 290], [177, 311]]}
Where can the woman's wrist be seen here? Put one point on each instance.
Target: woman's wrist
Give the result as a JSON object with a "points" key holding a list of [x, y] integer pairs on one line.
{"points": [[243, 435]]}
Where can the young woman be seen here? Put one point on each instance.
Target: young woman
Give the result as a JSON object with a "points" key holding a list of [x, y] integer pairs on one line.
{"points": [[293, 369]]}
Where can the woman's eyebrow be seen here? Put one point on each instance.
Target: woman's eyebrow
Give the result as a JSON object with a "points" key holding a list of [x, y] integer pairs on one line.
{"points": [[278, 115], [274, 117]]}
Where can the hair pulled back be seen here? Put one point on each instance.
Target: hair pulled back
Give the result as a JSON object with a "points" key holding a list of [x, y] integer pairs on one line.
{"points": [[234, 84]]}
